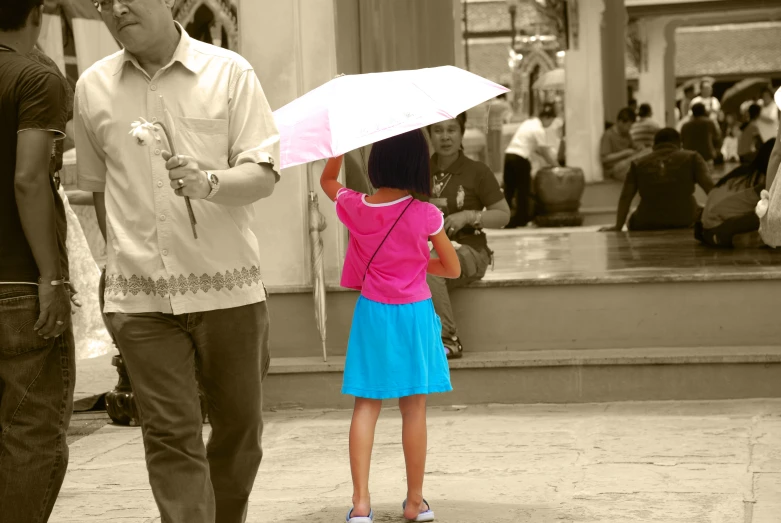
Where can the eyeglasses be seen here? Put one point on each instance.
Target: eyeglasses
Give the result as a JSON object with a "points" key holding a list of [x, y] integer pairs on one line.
{"points": [[106, 5]]}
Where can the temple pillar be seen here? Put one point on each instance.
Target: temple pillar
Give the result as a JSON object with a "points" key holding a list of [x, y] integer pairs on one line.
{"points": [[614, 21], [656, 81], [293, 53], [584, 96]]}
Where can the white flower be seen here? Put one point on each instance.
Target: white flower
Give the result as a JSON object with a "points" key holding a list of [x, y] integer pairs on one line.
{"points": [[762, 204], [144, 132]]}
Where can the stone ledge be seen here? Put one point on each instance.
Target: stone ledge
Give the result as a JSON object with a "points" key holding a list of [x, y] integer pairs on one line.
{"points": [[630, 277], [564, 358]]}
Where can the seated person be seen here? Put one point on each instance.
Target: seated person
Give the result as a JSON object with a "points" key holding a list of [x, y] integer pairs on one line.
{"points": [[729, 219], [750, 140], [644, 129], [665, 180], [617, 149], [701, 134]]}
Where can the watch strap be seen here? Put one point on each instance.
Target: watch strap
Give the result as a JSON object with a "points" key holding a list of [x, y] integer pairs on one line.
{"points": [[214, 186]]}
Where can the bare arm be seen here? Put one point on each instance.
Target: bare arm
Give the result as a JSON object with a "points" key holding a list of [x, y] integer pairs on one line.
{"points": [[241, 185], [612, 158], [35, 202], [328, 180], [702, 174], [625, 202], [446, 263], [244, 184], [497, 215], [628, 193]]}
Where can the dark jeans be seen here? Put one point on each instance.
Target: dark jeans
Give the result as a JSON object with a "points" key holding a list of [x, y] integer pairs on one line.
{"points": [[518, 189], [474, 263], [722, 235], [229, 350], [37, 378]]}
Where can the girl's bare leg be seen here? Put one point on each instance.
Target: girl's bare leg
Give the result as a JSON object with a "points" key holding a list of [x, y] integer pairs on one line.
{"points": [[414, 440], [365, 415]]}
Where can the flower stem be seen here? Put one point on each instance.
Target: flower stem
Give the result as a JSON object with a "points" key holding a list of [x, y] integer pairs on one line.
{"points": [[186, 198]]}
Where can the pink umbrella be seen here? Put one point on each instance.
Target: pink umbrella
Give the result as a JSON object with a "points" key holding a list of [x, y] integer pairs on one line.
{"points": [[352, 111]]}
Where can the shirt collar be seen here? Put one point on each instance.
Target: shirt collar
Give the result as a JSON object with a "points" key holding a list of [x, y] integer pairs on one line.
{"points": [[666, 147], [453, 168], [183, 54]]}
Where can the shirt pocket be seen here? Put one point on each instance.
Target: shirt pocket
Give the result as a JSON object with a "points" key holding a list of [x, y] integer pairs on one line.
{"points": [[206, 140], [17, 319]]}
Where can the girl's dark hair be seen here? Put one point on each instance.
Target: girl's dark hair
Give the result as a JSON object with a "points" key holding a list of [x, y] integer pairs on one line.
{"points": [[753, 173], [401, 162]]}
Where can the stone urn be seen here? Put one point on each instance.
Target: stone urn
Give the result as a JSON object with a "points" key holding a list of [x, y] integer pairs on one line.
{"points": [[557, 193]]}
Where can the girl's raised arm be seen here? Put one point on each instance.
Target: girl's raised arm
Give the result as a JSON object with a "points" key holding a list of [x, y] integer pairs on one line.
{"points": [[328, 180], [446, 264]]}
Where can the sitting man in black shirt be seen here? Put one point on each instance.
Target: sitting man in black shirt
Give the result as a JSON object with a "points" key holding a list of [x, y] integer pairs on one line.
{"points": [[37, 368], [666, 180]]}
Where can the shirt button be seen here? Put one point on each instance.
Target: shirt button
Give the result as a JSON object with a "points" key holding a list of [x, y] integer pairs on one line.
{"points": [[162, 217], [159, 184], [157, 151], [165, 252], [153, 87]]}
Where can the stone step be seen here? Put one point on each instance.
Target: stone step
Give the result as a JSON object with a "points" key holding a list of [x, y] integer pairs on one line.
{"points": [[558, 376], [714, 308]]}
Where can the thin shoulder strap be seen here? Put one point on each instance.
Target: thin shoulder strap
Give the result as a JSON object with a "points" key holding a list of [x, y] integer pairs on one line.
{"points": [[386, 237]]}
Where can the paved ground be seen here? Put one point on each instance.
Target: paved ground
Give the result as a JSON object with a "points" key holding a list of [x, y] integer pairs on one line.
{"points": [[650, 462]]}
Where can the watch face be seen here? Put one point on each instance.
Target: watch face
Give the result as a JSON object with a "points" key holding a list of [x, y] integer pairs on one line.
{"points": [[213, 179]]}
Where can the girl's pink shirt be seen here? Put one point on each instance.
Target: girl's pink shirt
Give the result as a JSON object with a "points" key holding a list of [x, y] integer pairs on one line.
{"points": [[397, 274]]}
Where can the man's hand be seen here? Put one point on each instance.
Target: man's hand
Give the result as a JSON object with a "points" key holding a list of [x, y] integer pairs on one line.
{"points": [[55, 301], [612, 228], [187, 178], [455, 222]]}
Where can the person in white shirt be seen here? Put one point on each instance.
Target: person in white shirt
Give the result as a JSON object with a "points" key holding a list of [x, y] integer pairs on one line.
{"points": [[528, 151], [768, 118], [706, 98]]}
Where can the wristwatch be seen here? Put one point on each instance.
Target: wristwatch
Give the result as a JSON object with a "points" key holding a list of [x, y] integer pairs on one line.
{"points": [[214, 182]]}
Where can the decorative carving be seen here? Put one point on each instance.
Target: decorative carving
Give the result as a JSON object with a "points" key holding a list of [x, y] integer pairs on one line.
{"points": [[225, 15], [635, 45], [554, 13]]}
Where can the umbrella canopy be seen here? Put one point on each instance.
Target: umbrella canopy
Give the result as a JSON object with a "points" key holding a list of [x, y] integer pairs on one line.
{"points": [[352, 111], [551, 81], [748, 89]]}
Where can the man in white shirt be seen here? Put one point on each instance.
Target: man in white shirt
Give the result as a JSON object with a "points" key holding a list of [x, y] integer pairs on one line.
{"points": [[529, 150], [180, 306], [768, 118], [706, 98]]}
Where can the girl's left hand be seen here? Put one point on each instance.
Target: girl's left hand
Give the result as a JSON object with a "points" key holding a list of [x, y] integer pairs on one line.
{"points": [[455, 222]]}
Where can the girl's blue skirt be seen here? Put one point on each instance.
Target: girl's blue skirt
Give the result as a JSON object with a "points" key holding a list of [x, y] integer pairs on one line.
{"points": [[395, 351]]}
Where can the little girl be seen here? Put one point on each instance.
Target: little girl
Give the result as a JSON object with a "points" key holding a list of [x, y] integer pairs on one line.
{"points": [[395, 348]]}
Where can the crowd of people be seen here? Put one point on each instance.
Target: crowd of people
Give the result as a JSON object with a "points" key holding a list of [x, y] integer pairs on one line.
{"points": [[666, 174]]}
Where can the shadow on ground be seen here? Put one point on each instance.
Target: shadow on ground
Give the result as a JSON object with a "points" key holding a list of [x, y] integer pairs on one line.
{"points": [[446, 511]]}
